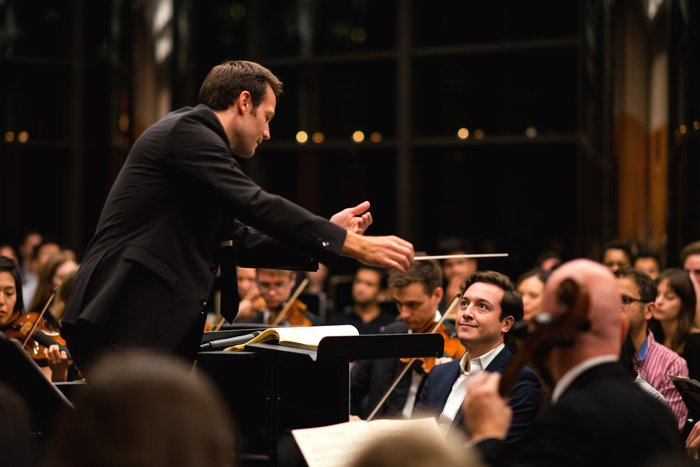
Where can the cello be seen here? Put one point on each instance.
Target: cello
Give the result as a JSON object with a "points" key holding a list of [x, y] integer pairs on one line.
{"points": [[545, 331]]}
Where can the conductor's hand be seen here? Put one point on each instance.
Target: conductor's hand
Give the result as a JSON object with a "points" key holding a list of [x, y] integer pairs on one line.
{"points": [[355, 219], [385, 251], [486, 413]]}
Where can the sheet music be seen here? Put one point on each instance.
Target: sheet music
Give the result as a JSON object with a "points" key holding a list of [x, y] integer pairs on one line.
{"points": [[337, 445]]}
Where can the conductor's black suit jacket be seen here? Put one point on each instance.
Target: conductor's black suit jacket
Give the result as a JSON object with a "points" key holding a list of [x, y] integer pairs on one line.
{"points": [[150, 267]]}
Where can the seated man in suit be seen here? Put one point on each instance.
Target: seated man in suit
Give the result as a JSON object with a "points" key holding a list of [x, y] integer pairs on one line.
{"points": [[488, 308], [276, 287], [597, 416], [417, 294]]}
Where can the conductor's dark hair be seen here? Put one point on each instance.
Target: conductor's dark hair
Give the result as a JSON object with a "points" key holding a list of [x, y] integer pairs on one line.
{"points": [[227, 81]]}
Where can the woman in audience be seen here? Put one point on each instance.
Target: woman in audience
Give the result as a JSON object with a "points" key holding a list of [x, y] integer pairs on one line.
{"points": [[531, 285], [51, 276], [675, 313]]}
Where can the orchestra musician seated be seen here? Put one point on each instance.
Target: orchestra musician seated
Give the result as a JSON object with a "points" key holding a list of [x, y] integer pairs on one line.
{"points": [[489, 306], [365, 313], [276, 288], [251, 302], [43, 343], [417, 294]]}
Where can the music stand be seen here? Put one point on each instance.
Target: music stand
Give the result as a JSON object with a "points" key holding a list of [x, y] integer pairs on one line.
{"points": [[272, 389], [20, 372]]}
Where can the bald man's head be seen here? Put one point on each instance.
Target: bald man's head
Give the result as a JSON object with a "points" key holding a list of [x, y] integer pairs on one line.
{"points": [[604, 311]]}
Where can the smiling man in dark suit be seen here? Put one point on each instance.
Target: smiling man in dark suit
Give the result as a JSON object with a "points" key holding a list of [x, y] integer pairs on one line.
{"points": [[489, 307], [148, 271]]}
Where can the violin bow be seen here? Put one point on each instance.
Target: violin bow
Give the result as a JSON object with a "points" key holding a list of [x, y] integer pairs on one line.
{"points": [[290, 302], [41, 315], [409, 364]]}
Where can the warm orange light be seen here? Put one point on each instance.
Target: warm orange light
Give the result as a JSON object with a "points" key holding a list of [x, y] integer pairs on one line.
{"points": [[462, 133], [10, 136], [479, 134], [358, 136], [302, 137], [375, 137], [23, 137], [318, 137]]}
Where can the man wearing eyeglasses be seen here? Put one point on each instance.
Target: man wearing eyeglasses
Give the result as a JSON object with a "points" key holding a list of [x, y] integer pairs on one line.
{"points": [[654, 361], [489, 307]]}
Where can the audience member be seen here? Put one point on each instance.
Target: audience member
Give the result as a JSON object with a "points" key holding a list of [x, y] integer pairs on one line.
{"points": [[675, 312], [40, 256], [616, 255], [653, 362], [27, 265], [365, 313], [489, 307], [598, 416], [530, 286], [690, 258], [628, 358], [649, 263], [51, 276], [417, 294], [8, 251], [548, 260], [144, 410]]}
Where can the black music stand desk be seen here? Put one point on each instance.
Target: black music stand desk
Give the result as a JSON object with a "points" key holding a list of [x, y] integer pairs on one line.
{"points": [[272, 389]]}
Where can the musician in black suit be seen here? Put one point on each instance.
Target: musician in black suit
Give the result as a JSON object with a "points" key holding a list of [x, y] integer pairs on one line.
{"points": [[598, 415], [148, 271], [489, 307]]}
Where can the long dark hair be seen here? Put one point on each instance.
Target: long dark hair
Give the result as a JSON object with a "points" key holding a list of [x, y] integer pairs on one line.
{"points": [[8, 265]]}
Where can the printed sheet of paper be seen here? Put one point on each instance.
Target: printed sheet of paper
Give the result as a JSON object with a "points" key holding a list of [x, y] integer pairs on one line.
{"points": [[337, 445]]}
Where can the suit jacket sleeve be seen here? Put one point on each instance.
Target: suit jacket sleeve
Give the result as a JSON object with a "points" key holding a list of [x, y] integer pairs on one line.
{"points": [[198, 150]]}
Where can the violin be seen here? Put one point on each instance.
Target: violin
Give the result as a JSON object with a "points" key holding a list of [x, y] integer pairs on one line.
{"points": [[546, 331], [35, 335], [296, 314], [295, 309], [452, 348]]}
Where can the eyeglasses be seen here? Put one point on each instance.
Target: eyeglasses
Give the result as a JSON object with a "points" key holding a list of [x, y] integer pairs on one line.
{"points": [[627, 300]]}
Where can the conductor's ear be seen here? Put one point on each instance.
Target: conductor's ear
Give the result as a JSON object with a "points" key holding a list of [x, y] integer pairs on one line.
{"points": [[244, 102]]}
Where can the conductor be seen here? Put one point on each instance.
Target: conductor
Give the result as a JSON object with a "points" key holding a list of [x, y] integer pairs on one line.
{"points": [[149, 269]]}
